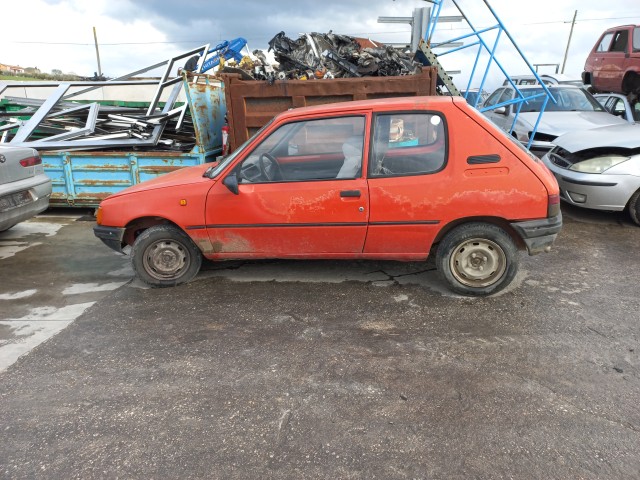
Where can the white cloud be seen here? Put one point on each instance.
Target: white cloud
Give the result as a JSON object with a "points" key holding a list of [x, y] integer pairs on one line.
{"points": [[132, 34]]}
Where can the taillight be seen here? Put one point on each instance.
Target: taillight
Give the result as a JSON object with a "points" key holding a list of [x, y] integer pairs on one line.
{"points": [[553, 207], [30, 161]]}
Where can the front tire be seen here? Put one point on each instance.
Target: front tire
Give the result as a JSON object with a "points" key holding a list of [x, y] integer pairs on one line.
{"points": [[164, 256], [477, 259]]}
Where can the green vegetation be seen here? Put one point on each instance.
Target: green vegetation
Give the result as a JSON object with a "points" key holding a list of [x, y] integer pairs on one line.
{"points": [[34, 77]]}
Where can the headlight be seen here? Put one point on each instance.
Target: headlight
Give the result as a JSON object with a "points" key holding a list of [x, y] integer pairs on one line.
{"points": [[598, 164]]}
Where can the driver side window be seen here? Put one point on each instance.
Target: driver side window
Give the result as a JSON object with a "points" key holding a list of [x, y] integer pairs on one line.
{"points": [[321, 149]]}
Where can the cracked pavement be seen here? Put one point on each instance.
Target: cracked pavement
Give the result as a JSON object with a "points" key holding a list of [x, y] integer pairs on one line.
{"points": [[320, 369]]}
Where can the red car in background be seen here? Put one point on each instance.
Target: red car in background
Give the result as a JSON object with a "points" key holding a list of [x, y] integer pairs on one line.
{"points": [[614, 62], [390, 179]]}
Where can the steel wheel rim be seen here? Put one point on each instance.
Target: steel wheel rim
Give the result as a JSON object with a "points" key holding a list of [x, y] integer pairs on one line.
{"points": [[478, 262], [165, 259]]}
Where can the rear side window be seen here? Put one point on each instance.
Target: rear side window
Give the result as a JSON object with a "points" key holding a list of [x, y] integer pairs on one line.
{"points": [[605, 43], [408, 144], [636, 39]]}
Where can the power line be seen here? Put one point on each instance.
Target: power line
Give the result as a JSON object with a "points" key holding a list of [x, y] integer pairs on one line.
{"points": [[353, 34]]}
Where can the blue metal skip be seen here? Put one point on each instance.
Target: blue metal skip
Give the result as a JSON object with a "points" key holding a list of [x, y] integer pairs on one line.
{"points": [[85, 178]]}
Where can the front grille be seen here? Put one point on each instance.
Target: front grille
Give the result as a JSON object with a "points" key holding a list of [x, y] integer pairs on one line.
{"points": [[558, 159]]}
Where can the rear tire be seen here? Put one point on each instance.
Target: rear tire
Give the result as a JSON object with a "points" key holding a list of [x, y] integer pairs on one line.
{"points": [[631, 84], [477, 259], [164, 256], [634, 207]]}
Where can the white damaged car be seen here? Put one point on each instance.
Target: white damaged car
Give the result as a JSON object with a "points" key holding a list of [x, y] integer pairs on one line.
{"points": [[599, 168], [24, 187]]}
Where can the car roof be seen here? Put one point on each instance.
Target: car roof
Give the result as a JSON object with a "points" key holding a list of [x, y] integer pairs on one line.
{"points": [[554, 86], [622, 26], [383, 104], [617, 95]]}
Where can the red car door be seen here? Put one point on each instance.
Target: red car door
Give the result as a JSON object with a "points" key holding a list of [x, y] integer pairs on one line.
{"points": [[409, 185], [613, 62], [299, 193]]}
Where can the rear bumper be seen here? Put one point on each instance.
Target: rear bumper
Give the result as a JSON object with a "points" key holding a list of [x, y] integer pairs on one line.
{"points": [[539, 235], [39, 189], [110, 236]]}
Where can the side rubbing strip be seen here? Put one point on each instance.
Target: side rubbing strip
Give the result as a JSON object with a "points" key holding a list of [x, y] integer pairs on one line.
{"points": [[482, 159]]}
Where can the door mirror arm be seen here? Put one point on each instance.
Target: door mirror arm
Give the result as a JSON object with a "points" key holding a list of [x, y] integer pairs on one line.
{"points": [[231, 182]]}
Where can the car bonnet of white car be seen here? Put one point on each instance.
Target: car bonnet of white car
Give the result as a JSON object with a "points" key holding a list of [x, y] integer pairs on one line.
{"points": [[626, 135]]}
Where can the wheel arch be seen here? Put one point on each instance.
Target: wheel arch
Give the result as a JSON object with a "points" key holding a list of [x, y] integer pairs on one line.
{"points": [[497, 221], [135, 227]]}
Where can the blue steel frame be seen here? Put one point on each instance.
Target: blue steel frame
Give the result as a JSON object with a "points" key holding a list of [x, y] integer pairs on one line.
{"points": [[520, 98]]}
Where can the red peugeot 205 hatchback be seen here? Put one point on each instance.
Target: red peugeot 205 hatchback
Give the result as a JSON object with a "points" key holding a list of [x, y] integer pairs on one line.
{"points": [[391, 179]]}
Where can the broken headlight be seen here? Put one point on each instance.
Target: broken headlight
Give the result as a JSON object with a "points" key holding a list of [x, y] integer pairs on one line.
{"points": [[598, 164]]}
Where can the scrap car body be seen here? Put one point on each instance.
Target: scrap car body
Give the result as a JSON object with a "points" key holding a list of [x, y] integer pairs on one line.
{"points": [[574, 109], [291, 191], [613, 65], [24, 187], [600, 168]]}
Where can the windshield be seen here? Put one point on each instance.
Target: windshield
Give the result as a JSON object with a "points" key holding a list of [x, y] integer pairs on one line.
{"points": [[568, 100], [214, 170]]}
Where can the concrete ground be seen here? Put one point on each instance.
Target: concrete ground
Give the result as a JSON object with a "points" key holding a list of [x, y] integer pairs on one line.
{"points": [[320, 369]]}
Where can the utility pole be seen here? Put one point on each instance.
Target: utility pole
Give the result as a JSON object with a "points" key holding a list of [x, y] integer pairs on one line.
{"points": [[95, 38], [566, 52]]}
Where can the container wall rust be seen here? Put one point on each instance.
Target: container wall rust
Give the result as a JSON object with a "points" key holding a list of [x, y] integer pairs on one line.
{"points": [[251, 104]]}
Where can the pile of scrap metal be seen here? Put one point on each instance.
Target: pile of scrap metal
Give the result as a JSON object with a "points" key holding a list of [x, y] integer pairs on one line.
{"points": [[325, 56], [61, 122]]}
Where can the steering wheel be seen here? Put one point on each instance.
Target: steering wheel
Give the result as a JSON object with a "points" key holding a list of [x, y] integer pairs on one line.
{"points": [[272, 165]]}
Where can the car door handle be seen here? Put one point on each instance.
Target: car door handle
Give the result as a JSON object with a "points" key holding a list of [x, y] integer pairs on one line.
{"points": [[350, 193]]}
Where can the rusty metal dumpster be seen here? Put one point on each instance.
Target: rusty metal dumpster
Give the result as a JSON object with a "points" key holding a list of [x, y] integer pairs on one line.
{"points": [[251, 104]]}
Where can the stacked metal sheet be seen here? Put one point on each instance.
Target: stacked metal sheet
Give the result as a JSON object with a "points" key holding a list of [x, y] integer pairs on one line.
{"points": [[61, 122]]}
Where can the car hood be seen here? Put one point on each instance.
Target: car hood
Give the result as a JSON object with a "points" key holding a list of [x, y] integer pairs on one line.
{"points": [[559, 123], [182, 176], [622, 136]]}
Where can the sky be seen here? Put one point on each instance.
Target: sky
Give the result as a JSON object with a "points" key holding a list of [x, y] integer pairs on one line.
{"points": [[132, 34]]}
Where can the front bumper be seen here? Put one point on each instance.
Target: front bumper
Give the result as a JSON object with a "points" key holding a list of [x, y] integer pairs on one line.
{"points": [[110, 236], [539, 235], [597, 191]]}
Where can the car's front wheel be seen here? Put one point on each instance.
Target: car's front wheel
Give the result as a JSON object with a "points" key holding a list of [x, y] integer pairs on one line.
{"points": [[477, 259], [163, 256], [634, 207]]}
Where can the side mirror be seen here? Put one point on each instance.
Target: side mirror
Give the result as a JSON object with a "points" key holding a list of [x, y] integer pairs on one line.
{"points": [[501, 110], [231, 182]]}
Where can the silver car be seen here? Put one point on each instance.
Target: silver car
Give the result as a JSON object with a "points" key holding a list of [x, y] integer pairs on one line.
{"points": [[24, 187], [599, 168], [620, 106], [575, 110]]}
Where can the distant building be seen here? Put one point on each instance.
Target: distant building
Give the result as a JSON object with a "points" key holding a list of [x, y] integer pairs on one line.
{"points": [[12, 69]]}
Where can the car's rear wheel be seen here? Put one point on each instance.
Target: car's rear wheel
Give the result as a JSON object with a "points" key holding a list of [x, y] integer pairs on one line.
{"points": [[631, 83], [164, 256], [477, 259], [634, 207]]}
